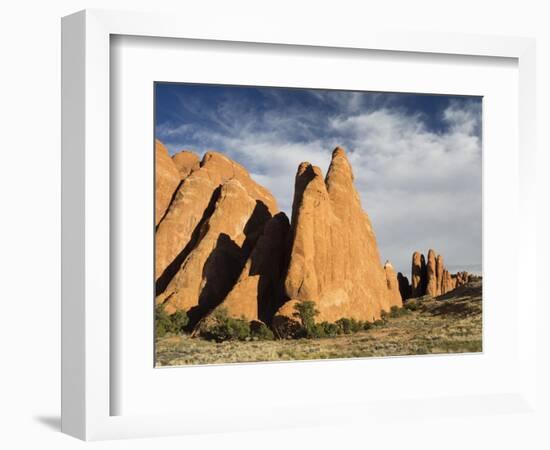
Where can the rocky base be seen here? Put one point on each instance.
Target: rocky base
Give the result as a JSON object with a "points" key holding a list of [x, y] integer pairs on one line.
{"points": [[451, 323]]}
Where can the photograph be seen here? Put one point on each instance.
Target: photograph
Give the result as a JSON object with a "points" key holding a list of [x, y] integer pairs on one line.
{"points": [[296, 224]]}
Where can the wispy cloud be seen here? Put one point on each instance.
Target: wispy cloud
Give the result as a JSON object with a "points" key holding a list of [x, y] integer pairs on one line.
{"points": [[420, 183]]}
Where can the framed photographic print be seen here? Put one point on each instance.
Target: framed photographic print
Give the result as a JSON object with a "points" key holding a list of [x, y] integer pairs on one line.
{"points": [[253, 217], [290, 268]]}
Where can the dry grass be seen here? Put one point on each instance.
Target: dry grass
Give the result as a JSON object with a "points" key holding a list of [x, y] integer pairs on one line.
{"points": [[449, 324]]}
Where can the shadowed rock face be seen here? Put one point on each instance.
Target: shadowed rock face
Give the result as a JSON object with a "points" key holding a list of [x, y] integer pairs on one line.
{"points": [[258, 292], [225, 241], [418, 275], [221, 242], [404, 286], [334, 257], [191, 206], [167, 180]]}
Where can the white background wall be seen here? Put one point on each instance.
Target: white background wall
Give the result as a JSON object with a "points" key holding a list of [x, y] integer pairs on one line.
{"points": [[30, 198]]}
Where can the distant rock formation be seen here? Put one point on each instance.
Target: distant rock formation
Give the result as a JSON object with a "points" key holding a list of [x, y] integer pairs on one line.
{"points": [[221, 242], [418, 275], [439, 274], [462, 278], [431, 281], [448, 282], [432, 278]]}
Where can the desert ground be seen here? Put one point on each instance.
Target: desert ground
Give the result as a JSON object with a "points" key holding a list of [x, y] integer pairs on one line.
{"points": [[451, 323]]}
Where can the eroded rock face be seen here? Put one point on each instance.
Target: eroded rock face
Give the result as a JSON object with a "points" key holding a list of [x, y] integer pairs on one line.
{"points": [[167, 180], [258, 292], [186, 162], [193, 203], [334, 257], [225, 241]]}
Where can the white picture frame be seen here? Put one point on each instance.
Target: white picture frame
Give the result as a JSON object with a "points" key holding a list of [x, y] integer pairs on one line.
{"points": [[87, 387]]}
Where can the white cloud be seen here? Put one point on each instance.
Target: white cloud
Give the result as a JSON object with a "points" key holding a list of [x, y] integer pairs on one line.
{"points": [[421, 188]]}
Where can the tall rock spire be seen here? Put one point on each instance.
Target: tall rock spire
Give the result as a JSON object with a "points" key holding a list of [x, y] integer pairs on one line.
{"points": [[334, 258], [431, 286]]}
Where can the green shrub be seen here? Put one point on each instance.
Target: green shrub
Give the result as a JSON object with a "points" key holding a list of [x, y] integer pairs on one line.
{"points": [[348, 326], [378, 323], [220, 327], [344, 324], [356, 325], [367, 325], [396, 311], [286, 328], [384, 316], [163, 324], [330, 329], [179, 321], [324, 330], [317, 331], [411, 305], [166, 323], [260, 331], [306, 312]]}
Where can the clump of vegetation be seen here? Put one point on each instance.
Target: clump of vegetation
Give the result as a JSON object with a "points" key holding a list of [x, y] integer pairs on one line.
{"points": [[330, 329], [439, 326], [260, 331], [323, 330], [396, 311], [169, 323], [306, 311], [220, 327], [349, 326], [411, 305]]}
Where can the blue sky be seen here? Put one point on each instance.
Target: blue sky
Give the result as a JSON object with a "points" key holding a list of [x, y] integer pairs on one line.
{"points": [[416, 158]]}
